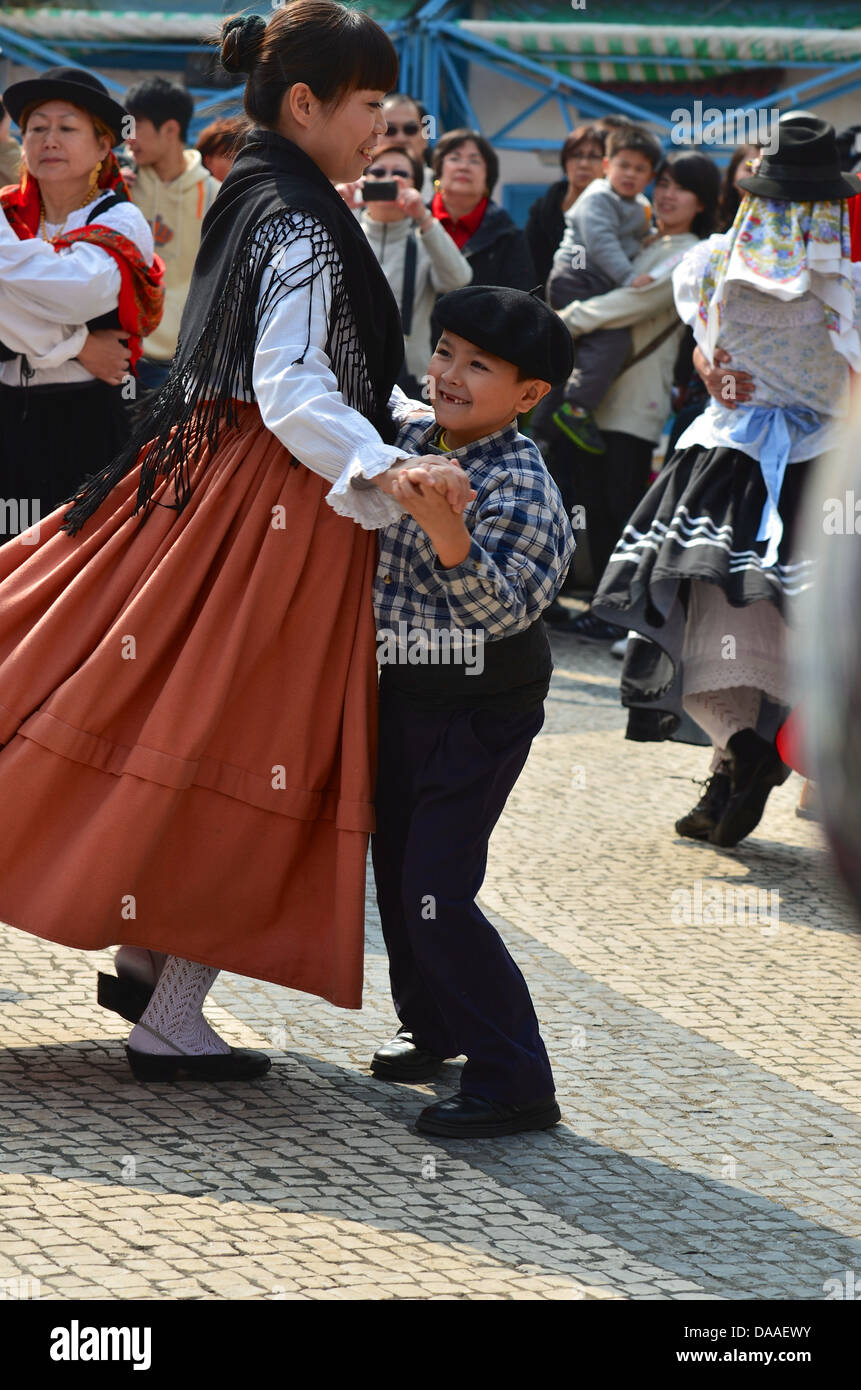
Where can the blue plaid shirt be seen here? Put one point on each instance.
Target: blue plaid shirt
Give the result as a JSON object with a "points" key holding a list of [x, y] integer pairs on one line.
{"points": [[522, 543]]}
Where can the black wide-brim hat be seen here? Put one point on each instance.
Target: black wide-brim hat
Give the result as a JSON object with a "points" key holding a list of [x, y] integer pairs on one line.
{"points": [[513, 325], [805, 167], [75, 85]]}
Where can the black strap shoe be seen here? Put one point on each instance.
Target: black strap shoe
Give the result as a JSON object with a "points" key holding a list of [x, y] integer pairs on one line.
{"points": [[755, 768], [699, 823], [239, 1064], [124, 996], [403, 1060], [470, 1117]]}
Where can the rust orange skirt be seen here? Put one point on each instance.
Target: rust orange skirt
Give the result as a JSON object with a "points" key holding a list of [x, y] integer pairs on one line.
{"points": [[188, 721]]}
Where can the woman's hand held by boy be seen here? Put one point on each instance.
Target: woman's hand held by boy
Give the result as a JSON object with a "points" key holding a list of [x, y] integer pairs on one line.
{"points": [[727, 387]]}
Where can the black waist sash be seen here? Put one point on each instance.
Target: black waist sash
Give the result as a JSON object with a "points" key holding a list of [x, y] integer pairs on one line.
{"points": [[514, 676]]}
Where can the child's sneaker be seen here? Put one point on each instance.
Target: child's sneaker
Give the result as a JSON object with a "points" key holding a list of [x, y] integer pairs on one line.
{"points": [[580, 428]]}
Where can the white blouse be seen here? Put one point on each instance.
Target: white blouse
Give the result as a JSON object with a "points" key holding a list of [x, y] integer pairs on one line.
{"points": [[47, 297], [302, 404]]}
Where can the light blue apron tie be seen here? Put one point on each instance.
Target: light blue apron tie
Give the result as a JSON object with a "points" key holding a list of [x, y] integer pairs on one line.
{"points": [[785, 426]]}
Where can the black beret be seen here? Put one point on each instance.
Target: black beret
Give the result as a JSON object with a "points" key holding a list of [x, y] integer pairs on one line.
{"points": [[511, 324]]}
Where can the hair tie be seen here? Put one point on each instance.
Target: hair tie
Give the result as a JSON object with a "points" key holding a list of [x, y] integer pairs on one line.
{"points": [[241, 40]]}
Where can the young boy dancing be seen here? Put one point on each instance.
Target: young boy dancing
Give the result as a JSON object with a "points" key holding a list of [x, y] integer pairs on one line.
{"points": [[604, 231], [465, 669]]}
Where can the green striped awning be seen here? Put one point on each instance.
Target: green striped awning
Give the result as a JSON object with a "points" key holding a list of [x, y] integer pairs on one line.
{"points": [[633, 52]]}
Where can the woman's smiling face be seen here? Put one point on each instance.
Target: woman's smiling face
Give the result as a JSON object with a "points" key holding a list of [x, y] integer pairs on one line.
{"points": [[342, 136], [675, 207]]}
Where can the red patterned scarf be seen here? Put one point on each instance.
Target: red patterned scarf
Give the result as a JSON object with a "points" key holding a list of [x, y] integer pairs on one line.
{"points": [[141, 301]]}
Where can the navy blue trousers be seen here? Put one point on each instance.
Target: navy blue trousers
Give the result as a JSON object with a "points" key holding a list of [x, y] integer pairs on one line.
{"points": [[443, 780]]}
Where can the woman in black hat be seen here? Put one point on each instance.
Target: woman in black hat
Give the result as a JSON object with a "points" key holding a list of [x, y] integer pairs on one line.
{"points": [[76, 256], [707, 567]]}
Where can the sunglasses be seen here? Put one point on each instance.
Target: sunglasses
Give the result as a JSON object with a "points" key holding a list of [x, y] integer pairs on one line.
{"points": [[388, 174], [408, 128]]}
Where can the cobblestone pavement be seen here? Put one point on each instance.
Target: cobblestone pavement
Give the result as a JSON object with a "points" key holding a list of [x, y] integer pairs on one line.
{"points": [[703, 1033]]}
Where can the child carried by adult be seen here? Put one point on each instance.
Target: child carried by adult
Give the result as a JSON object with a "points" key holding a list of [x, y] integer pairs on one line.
{"points": [[604, 231]]}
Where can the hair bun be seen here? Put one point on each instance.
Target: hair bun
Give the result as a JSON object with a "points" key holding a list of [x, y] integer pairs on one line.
{"points": [[241, 39]]}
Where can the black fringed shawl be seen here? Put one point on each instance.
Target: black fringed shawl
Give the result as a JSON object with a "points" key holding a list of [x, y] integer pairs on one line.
{"points": [[273, 194]]}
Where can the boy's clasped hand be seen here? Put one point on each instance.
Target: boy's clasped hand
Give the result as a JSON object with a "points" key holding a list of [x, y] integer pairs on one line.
{"points": [[434, 481], [435, 494]]}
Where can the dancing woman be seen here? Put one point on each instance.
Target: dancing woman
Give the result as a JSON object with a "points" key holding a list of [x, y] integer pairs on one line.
{"points": [[188, 684], [707, 567]]}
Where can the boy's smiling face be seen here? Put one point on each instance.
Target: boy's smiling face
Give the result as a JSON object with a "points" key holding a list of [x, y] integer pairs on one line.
{"points": [[474, 393]]}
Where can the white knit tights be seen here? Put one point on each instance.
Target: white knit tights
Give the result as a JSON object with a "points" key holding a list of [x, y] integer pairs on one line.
{"points": [[175, 1011]]}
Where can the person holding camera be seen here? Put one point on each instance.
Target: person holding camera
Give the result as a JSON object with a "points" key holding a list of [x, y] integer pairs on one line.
{"points": [[417, 257]]}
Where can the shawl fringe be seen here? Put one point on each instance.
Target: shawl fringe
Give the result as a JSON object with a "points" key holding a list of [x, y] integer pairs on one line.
{"points": [[199, 398]]}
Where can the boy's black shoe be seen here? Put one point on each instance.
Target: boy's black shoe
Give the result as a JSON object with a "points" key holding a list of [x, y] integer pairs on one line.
{"points": [[581, 429], [755, 768], [403, 1060], [699, 823], [586, 627], [470, 1117]]}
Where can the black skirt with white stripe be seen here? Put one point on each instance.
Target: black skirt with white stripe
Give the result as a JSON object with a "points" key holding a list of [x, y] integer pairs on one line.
{"points": [[698, 520]]}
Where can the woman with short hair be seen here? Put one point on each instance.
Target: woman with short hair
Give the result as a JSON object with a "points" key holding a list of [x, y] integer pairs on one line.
{"points": [[466, 170], [219, 143]]}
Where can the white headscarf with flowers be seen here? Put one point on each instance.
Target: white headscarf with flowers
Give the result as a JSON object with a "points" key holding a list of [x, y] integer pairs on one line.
{"points": [[786, 249]]}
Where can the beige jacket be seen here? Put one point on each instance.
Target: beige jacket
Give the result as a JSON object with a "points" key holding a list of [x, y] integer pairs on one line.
{"points": [[638, 402], [10, 161], [175, 212]]}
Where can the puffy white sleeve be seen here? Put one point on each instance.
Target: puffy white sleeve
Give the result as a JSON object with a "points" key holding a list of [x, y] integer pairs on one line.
{"points": [[47, 296], [301, 401], [404, 408], [687, 278], [71, 286]]}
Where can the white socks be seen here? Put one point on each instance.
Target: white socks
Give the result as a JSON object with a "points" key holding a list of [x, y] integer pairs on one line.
{"points": [[175, 1012]]}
